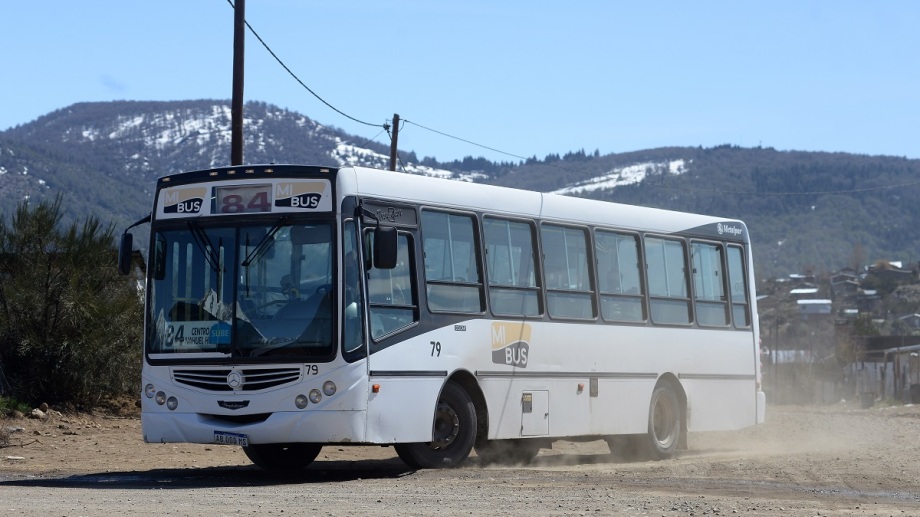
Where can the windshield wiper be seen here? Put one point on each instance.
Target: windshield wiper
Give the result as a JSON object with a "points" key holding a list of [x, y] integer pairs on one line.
{"points": [[205, 246], [263, 244]]}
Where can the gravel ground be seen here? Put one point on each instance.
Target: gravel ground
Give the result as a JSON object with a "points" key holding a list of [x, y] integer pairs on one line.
{"points": [[827, 460]]}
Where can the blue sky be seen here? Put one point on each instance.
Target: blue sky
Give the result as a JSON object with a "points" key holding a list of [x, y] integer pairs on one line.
{"points": [[526, 78]]}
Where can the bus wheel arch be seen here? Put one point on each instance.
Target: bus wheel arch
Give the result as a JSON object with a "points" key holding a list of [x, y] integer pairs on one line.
{"points": [[468, 382], [454, 430]]}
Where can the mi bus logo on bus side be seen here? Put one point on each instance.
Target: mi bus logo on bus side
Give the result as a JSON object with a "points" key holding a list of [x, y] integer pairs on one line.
{"points": [[510, 344], [184, 200], [299, 195]]}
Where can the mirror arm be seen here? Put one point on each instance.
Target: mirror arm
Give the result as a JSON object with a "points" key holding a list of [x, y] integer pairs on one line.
{"points": [[360, 212], [145, 219]]}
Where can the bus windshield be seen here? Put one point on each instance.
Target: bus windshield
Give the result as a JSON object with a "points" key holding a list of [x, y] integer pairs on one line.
{"points": [[241, 291]]}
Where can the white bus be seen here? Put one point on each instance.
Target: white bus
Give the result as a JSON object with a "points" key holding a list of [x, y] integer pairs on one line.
{"points": [[289, 307]]}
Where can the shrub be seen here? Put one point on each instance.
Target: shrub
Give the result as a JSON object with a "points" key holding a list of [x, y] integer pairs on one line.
{"points": [[70, 326]]}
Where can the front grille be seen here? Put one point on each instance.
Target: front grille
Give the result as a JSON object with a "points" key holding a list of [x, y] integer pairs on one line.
{"points": [[248, 379]]}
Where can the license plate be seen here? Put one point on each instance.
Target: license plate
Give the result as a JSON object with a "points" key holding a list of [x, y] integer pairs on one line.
{"points": [[231, 438]]}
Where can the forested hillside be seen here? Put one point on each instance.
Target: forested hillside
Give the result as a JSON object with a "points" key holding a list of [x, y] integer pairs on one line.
{"points": [[806, 211]]}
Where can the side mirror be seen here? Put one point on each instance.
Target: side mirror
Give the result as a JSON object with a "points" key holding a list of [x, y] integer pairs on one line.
{"points": [[125, 249], [385, 247]]}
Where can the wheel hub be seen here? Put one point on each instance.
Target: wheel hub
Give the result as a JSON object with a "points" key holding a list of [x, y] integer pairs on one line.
{"points": [[446, 427]]}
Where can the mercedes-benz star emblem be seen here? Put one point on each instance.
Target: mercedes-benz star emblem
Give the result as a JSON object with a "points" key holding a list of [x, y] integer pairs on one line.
{"points": [[235, 379]]}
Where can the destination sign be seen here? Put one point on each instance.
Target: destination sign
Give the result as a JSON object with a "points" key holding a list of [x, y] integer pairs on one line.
{"points": [[227, 198]]}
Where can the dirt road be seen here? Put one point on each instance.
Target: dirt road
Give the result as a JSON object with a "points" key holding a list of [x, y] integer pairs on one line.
{"points": [[835, 460]]}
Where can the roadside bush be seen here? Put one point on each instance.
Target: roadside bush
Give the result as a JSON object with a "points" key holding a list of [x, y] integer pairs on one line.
{"points": [[8, 405], [70, 326]]}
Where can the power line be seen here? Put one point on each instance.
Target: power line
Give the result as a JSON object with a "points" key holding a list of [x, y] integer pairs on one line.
{"points": [[673, 187], [292, 74], [466, 141], [386, 127], [369, 140]]}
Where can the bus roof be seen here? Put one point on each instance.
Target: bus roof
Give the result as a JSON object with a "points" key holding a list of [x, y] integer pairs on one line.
{"points": [[525, 203], [461, 195]]}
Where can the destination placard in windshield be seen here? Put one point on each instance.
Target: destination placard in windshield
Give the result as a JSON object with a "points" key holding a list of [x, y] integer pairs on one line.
{"points": [[236, 198]]}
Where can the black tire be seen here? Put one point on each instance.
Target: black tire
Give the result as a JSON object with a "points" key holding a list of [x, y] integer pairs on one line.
{"points": [[507, 452], [283, 457], [665, 418], [454, 430]]}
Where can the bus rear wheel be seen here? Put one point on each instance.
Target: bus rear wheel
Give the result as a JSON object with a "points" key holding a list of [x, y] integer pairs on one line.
{"points": [[664, 422], [282, 457], [454, 431]]}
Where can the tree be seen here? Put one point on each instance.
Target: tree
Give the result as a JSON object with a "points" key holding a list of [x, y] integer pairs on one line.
{"points": [[70, 326]]}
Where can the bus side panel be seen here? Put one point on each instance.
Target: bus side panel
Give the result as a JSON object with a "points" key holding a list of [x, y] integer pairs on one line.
{"points": [[410, 375], [615, 410], [572, 410], [601, 382], [708, 402], [403, 409]]}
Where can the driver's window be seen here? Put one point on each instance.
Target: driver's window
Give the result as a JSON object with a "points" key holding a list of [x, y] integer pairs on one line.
{"points": [[391, 293], [353, 331]]}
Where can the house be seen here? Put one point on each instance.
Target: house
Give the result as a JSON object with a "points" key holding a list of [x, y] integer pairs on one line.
{"points": [[911, 320], [799, 279], [813, 308], [844, 284], [868, 301], [801, 293], [891, 271]]}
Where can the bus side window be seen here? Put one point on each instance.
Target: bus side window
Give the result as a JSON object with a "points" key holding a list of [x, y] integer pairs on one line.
{"points": [[391, 293], [452, 272], [510, 261], [669, 300], [738, 287], [568, 277], [617, 258], [709, 284]]}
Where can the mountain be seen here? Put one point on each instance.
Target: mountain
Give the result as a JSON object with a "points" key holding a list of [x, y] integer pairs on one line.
{"points": [[806, 211]]}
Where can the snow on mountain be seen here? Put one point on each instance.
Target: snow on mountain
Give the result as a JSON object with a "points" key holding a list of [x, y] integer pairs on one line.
{"points": [[625, 176], [169, 128], [208, 128], [348, 154]]}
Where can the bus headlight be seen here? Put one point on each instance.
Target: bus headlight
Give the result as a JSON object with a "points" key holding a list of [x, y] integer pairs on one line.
{"points": [[315, 396], [300, 401], [172, 403], [161, 398], [329, 388], [150, 391]]}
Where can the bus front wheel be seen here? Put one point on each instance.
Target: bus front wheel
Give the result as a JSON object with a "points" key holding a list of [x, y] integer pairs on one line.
{"points": [[454, 431], [283, 457]]}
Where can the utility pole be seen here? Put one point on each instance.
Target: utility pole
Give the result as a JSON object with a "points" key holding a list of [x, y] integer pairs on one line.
{"points": [[236, 104], [393, 141]]}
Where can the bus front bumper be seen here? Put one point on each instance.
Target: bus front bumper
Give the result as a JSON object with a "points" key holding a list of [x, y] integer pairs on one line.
{"points": [[279, 427]]}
